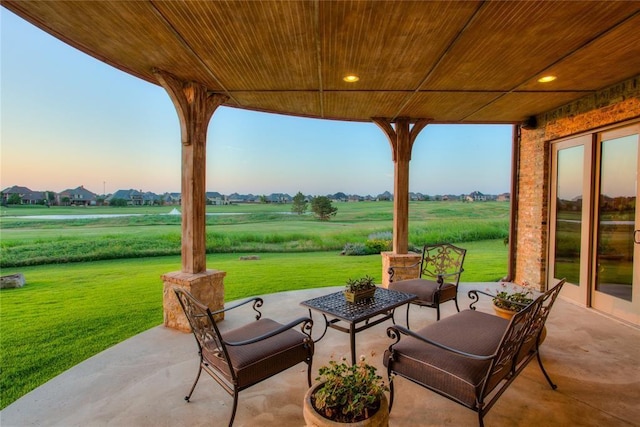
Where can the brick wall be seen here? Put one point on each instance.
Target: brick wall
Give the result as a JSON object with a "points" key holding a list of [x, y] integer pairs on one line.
{"points": [[613, 105]]}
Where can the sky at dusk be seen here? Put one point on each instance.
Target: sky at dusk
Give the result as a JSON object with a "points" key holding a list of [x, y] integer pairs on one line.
{"points": [[69, 120]]}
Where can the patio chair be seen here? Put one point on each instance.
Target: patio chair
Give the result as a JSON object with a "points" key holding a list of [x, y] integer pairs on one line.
{"points": [[439, 275], [245, 356], [470, 357]]}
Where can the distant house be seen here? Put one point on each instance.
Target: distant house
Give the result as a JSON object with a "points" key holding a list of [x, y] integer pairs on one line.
{"points": [[36, 198], [279, 198], [131, 196], [386, 196], [215, 198], [79, 196], [476, 196], [150, 199], [504, 197], [21, 192], [172, 198], [25, 196]]}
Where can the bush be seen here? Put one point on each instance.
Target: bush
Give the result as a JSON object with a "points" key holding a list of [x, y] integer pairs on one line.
{"points": [[354, 249], [378, 245]]}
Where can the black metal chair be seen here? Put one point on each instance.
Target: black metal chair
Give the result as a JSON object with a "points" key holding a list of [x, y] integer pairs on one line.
{"points": [[470, 357], [242, 357], [439, 275]]}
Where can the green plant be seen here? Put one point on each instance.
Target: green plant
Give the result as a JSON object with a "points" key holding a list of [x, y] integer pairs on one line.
{"points": [[323, 208], [515, 298], [299, 204], [376, 246], [354, 249], [360, 284], [349, 393]]}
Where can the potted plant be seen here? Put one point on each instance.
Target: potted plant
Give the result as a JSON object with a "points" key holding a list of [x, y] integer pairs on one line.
{"points": [[510, 300], [347, 394], [358, 289]]}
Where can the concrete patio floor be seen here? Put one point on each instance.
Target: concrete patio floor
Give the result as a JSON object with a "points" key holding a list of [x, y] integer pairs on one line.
{"points": [[142, 382]]}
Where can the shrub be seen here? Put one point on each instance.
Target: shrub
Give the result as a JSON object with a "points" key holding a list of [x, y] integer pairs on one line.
{"points": [[377, 246], [354, 249]]}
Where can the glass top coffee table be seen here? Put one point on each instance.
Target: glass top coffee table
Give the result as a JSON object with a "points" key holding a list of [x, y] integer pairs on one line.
{"points": [[335, 308]]}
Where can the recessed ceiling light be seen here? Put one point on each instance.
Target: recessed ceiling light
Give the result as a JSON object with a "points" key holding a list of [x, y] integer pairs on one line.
{"points": [[547, 79], [351, 78]]}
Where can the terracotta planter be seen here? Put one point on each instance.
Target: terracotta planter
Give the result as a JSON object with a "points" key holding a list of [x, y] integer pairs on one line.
{"points": [[313, 419], [503, 312]]}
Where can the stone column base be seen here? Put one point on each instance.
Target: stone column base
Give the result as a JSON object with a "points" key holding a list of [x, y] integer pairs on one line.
{"points": [[208, 287], [391, 259]]}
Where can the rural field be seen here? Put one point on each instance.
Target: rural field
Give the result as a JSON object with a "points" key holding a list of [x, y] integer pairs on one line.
{"points": [[93, 279]]}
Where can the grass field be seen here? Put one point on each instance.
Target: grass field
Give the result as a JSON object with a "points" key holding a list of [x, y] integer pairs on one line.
{"points": [[245, 228], [69, 311]]}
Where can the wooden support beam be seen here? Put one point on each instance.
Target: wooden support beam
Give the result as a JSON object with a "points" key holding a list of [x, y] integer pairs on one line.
{"points": [[401, 139], [195, 106]]}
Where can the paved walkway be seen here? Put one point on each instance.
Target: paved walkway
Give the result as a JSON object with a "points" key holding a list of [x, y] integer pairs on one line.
{"points": [[141, 382]]}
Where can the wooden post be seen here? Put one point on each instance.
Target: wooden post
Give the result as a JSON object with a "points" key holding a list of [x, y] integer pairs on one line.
{"points": [[401, 139], [195, 106]]}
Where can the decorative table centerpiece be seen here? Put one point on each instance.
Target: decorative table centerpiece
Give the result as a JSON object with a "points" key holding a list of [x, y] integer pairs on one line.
{"points": [[359, 289]]}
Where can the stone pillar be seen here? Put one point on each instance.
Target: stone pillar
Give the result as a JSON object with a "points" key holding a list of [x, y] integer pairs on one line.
{"points": [[195, 106], [391, 259], [207, 287]]}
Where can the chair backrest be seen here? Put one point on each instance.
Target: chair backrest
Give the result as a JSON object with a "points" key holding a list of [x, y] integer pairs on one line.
{"points": [[442, 260], [203, 326], [506, 355], [548, 298]]}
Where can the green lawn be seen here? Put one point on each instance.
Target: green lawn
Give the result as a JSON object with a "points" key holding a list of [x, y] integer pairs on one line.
{"points": [[69, 311], [259, 228]]}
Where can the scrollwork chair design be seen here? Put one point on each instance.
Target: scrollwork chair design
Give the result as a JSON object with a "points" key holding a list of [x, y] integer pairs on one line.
{"points": [[245, 356], [440, 269]]}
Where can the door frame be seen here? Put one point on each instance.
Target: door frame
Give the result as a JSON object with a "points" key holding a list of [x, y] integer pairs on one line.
{"points": [[578, 292], [584, 293], [617, 307]]}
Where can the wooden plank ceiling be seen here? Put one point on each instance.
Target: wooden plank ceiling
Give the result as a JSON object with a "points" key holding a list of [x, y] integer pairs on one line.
{"points": [[452, 62]]}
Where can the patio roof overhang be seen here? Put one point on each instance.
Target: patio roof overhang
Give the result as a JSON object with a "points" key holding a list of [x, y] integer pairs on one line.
{"points": [[449, 62], [418, 62]]}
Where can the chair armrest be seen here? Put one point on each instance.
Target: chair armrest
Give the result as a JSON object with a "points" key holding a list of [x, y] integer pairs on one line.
{"points": [[257, 302], [473, 295], [307, 324], [396, 331], [392, 270], [440, 277]]}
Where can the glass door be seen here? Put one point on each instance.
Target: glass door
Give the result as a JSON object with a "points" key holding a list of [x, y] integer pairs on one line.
{"points": [[616, 265], [569, 216]]}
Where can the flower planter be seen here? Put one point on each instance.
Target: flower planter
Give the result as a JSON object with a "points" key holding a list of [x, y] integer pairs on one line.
{"points": [[503, 312], [508, 314], [359, 295], [313, 419]]}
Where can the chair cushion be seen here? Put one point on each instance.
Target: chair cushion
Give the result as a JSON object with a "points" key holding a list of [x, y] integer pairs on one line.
{"points": [[424, 289], [255, 362], [457, 377]]}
